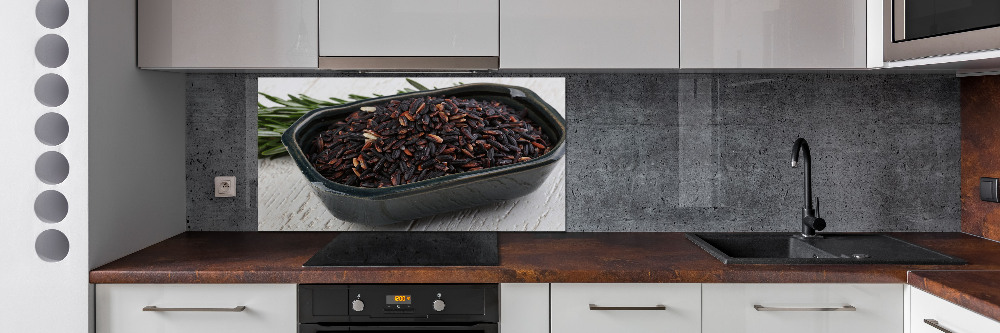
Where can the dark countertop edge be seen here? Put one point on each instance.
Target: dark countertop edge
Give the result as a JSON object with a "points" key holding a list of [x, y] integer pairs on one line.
{"points": [[977, 295], [230, 277]]}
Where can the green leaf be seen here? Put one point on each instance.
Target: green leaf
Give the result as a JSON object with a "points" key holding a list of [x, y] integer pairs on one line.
{"points": [[274, 151], [417, 85], [271, 115], [267, 142], [262, 122], [279, 101], [282, 109], [313, 100], [268, 134], [338, 100], [358, 97]]}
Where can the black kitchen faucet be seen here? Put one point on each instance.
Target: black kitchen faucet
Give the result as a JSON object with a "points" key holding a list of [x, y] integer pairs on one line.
{"points": [[810, 222]]}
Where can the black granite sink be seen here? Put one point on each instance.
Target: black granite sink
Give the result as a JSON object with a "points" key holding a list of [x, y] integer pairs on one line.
{"points": [[786, 248]]}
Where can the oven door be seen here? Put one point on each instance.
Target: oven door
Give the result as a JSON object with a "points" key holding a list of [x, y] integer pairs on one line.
{"points": [[927, 28], [472, 328]]}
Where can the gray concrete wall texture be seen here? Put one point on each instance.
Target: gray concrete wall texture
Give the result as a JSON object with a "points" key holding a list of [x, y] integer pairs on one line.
{"points": [[221, 141], [683, 152]]}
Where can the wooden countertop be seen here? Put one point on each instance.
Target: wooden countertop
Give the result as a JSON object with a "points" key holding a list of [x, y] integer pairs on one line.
{"points": [[277, 257], [978, 291]]}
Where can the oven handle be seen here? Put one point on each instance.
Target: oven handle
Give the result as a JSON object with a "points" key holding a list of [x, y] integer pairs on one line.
{"points": [[898, 17]]}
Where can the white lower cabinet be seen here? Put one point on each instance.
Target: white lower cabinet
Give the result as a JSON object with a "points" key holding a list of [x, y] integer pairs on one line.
{"points": [[626, 307], [570, 307], [524, 308], [802, 308], [930, 314], [196, 308]]}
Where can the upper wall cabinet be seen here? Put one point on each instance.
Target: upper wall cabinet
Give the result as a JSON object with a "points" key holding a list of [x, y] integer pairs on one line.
{"points": [[589, 34], [508, 34], [222, 34], [409, 34], [776, 34]]}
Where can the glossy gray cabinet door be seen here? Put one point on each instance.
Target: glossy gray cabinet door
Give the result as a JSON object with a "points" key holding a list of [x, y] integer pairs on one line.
{"points": [[589, 34], [409, 28], [773, 34], [227, 34]]}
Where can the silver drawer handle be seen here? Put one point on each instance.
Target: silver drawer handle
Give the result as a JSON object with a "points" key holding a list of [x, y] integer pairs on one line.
{"points": [[233, 309], [616, 308], [759, 307], [935, 324]]}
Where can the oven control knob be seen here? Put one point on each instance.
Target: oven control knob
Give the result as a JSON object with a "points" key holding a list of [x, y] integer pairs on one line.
{"points": [[438, 305], [358, 305]]}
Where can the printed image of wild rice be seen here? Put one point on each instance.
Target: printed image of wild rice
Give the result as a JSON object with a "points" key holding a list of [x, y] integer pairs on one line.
{"points": [[409, 140]]}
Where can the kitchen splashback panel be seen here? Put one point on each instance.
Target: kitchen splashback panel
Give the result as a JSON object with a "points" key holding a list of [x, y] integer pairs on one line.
{"points": [[288, 201], [682, 152]]}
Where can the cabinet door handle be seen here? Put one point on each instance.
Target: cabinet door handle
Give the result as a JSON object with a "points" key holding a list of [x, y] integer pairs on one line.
{"points": [[759, 307], [631, 308], [233, 309], [935, 324]]}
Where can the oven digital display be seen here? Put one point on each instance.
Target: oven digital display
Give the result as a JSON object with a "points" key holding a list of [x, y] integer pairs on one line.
{"points": [[397, 299]]}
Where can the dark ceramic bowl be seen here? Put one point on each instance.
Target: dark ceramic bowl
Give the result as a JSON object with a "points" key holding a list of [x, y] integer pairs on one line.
{"points": [[380, 206]]}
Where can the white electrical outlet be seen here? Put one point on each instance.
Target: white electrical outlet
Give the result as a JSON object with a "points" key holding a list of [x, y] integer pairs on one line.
{"points": [[225, 186]]}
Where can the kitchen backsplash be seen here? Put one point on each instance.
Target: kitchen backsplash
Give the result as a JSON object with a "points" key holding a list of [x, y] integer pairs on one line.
{"points": [[682, 152]]}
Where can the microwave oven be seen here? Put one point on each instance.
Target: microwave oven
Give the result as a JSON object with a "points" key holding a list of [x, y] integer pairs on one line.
{"points": [[915, 29]]}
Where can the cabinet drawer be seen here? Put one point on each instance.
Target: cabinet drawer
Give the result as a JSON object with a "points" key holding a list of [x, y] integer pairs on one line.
{"points": [[268, 308], [409, 28], [949, 316], [729, 308], [634, 308]]}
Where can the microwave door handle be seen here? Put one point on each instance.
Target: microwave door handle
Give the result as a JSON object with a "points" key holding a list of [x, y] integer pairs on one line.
{"points": [[898, 19]]}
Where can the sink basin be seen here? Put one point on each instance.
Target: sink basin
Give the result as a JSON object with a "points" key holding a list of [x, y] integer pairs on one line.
{"points": [[786, 248]]}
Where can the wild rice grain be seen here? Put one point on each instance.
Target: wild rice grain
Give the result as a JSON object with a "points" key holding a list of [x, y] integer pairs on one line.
{"points": [[410, 140]]}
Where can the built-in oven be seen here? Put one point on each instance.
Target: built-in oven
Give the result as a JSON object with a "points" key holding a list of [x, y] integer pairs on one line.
{"points": [[465, 308], [927, 28]]}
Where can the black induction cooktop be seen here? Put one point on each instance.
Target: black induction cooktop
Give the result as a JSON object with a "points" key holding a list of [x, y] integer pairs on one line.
{"points": [[380, 248]]}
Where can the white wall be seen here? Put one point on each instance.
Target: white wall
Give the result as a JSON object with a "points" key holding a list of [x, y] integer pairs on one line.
{"points": [[37, 295], [124, 187]]}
